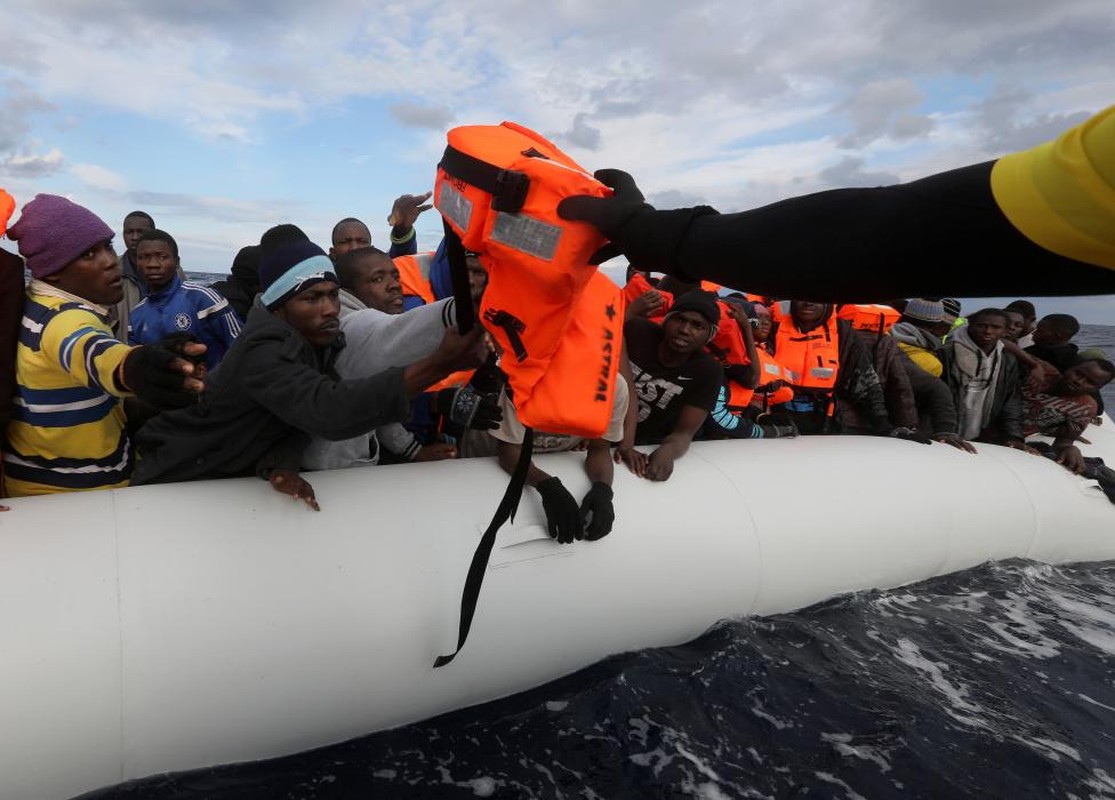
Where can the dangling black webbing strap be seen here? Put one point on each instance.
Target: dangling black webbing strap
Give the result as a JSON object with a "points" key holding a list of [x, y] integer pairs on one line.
{"points": [[505, 511], [510, 503]]}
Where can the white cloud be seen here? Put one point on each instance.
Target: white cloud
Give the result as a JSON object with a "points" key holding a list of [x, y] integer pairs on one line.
{"points": [[97, 177], [32, 166]]}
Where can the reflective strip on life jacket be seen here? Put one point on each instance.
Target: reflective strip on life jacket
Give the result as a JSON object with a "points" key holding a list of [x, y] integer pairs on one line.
{"points": [[414, 275], [812, 359]]}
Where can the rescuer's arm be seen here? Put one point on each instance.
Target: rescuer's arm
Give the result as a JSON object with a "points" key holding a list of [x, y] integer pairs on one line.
{"points": [[948, 233]]}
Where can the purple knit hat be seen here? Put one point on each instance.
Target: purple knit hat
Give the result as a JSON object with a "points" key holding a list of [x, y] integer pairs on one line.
{"points": [[52, 231]]}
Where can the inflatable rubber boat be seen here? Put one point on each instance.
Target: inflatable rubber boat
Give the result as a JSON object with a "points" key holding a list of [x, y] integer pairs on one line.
{"points": [[164, 628]]}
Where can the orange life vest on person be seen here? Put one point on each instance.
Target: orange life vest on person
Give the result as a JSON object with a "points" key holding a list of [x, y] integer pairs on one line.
{"points": [[873, 317], [414, 275], [557, 319], [812, 359], [771, 372]]}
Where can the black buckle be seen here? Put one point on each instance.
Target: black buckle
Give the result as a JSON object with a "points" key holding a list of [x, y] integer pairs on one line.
{"points": [[511, 191]]}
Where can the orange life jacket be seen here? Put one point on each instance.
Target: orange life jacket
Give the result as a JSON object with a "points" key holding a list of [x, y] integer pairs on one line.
{"points": [[873, 317], [771, 372], [812, 359], [414, 275], [638, 286], [557, 319]]}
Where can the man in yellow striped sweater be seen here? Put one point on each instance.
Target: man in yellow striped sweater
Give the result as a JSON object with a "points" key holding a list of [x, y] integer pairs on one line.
{"points": [[67, 431]]}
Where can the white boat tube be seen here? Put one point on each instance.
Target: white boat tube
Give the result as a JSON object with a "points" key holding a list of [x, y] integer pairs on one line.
{"points": [[164, 628]]}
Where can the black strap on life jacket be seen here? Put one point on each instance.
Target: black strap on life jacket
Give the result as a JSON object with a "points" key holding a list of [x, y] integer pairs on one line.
{"points": [[509, 504], [507, 187], [512, 326]]}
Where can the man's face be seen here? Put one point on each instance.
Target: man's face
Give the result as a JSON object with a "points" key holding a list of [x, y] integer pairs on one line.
{"points": [[1015, 322], [156, 262], [686, 332], [134, 227], [808, 312], [986, 331], [477, 278], [93, 276], [314, 313], [1083, 379], [1045, 335], [350, 236], [378, 286]]}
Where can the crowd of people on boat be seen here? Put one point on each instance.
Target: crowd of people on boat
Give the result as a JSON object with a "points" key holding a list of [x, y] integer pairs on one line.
{"points": [[120, 371]]}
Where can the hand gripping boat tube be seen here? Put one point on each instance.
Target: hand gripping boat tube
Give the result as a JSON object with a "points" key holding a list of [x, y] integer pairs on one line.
{"points": [[557, 320]]}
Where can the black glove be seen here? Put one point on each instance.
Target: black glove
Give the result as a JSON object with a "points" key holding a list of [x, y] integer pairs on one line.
{"points": [[176, 343], [647, 237], [775, 428], [597, 512], [147, 372], [467, 407], [910, 435], [563, 519]]}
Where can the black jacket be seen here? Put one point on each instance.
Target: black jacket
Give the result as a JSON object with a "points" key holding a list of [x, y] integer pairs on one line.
{"points": [[271, 392], [1006, 408]]}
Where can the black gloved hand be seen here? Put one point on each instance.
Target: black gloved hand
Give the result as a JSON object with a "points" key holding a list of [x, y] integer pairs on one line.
{"points": [[489, 378], [176, 343], [778, 428], [647, 237], [563, 518], [147, 372], [597, 512], [910, 435], [469, 408]]}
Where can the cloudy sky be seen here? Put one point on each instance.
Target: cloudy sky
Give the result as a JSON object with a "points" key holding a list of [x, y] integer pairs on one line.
{"points": [[221, 119]]}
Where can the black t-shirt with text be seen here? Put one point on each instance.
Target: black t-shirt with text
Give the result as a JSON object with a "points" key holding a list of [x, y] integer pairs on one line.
{"points": [[661, 391]]}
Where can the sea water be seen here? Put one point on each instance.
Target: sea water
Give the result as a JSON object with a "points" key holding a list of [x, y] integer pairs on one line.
{"points": [[998, 681]]}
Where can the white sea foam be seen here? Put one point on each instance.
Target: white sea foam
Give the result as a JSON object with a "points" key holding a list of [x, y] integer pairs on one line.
{"points": [[910, 654], [1088, 699], [851, 793], [842, 743]]}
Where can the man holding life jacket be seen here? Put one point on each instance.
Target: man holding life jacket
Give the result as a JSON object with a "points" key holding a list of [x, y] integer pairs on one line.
{"points": [[68, 430], [830, 370], [1035, 222], [277, 386], [674, 383], [379, 336], [918, 333]]}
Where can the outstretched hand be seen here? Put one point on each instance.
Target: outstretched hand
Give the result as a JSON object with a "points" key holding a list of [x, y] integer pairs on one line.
{"points": [[607, 214], [161, 378], [406, 209]]}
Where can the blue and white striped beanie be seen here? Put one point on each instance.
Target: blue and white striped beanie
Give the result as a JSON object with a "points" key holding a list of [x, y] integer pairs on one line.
{"points": [[292, 268]]}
